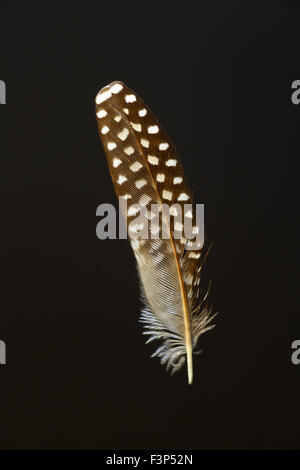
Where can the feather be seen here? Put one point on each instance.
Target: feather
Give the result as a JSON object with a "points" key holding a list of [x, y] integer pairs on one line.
{"points": [[146, 170]]}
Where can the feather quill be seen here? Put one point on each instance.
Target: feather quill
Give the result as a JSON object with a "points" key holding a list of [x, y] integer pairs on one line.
{"points": [[145, 169]]}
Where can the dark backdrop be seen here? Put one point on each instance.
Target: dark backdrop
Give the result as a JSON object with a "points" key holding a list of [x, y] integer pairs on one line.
{"points": [[78, 373]]}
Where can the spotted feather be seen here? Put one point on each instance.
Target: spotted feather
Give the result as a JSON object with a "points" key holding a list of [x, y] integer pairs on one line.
{"points": [[146, 170]]}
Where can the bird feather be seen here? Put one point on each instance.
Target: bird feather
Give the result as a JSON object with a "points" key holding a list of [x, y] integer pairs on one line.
{"points": [[145, 169]]}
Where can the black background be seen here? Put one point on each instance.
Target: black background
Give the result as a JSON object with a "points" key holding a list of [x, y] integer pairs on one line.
{"points": [[218, 76]]}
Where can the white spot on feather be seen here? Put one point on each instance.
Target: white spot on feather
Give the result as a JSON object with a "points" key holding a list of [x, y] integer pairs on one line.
{"points": [[103, 96], [111, 145], [163, 146], [140, 183], [183, 197], [101, 113], [177, 180], [136, 166], [153, 129], [129, 150], [144, 200], [132, 210], [160, 177], [167, 194], [123, 134], [145, 143], [130, 98], [116, 88], [171, 162], [105, 130], [116, 162], [136, 127], [153, 160], [121, 179]]}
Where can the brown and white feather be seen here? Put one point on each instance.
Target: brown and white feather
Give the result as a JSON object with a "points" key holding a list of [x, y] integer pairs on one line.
{"points": [[145, 169]]}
